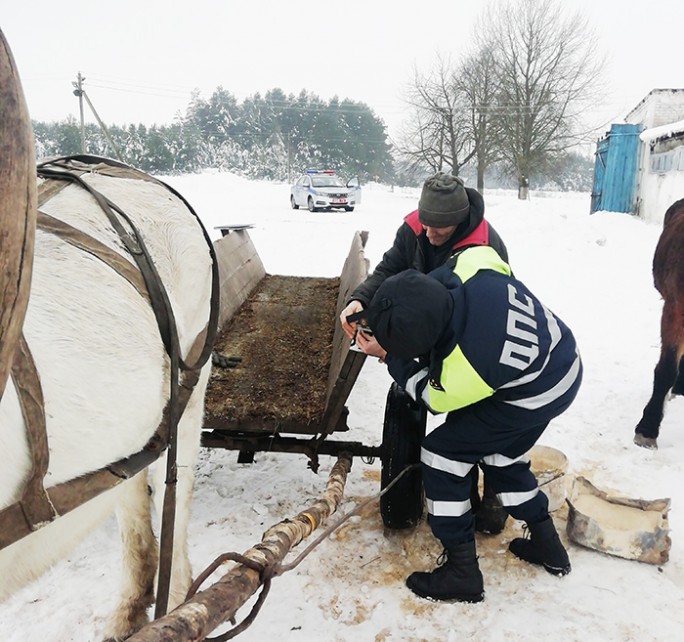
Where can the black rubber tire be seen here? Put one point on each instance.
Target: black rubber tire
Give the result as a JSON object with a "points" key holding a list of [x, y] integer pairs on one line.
{"points": [[402, 436], [348, 209], [312, 207], [292, 202]]}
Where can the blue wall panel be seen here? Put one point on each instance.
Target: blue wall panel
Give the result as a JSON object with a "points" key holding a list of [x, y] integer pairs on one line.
{"points": [[615, 184]]}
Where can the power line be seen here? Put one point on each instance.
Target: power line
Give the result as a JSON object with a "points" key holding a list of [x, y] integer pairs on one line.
{"points": [[179, 92]]}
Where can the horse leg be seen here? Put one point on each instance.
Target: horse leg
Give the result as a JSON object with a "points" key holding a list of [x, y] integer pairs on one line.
{"points": [[140, 556], [678, 388], [664, 375]]}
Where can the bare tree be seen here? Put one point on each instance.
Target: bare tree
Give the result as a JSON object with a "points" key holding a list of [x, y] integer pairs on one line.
{"points": [[476, 81], [547, 68], [437, 136]]}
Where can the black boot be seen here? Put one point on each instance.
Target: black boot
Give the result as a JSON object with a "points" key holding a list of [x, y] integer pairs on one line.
{"points": [[490, 516], [543, 547], [457, 578]]}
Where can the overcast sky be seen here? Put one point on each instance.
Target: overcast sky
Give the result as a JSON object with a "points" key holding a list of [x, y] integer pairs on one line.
{"points": [[141, 59]]}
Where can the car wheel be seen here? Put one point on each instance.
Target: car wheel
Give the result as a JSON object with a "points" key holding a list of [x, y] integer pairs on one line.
{"points": [[292, 202], [312, 207], [402, 436], [348, 209]]}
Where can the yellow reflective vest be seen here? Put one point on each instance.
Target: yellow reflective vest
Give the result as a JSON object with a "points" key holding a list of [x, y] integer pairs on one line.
{"points": [[459, 384]]}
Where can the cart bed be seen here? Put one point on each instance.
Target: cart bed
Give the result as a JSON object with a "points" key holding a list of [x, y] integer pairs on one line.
{"points": [[283, 336], [294, 367]]}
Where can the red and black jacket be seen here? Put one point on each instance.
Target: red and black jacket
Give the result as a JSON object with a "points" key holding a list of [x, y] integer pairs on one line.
{"points": [[411, 248]]}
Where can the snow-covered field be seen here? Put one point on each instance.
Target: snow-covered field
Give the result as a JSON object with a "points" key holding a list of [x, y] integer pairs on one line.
{"points": [[595, 273]]}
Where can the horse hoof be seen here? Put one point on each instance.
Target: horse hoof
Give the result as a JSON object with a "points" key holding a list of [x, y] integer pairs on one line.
{"points": [[646, 442]]}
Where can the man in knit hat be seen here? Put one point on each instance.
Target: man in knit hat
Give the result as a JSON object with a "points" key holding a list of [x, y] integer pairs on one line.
{"points": [[449, 218], [502, 366]]}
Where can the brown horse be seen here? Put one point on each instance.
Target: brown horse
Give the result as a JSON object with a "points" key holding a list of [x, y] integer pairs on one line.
{"points": [[668, 276]]}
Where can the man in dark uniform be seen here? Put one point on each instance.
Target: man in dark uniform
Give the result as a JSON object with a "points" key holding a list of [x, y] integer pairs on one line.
{"points": [[502, 366], [449, 218]]}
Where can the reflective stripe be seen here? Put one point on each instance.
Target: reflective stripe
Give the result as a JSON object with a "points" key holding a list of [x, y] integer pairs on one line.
{"points": [[515, 499], [412, 386], [448, 509], [545, 398], [412, 383], [555, 332], [501, 461], [425, 398], [438, 462]]}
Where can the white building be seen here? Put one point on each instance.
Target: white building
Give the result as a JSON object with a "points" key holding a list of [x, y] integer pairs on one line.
{"points": [[660, 174], [659, 107]]}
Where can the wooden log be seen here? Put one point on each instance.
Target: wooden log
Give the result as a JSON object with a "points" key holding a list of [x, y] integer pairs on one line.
{"points": [[17, 208], [196, 618]]}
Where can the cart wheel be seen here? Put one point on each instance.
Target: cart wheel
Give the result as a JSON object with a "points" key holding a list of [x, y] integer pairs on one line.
{"points": [[402, 435]]}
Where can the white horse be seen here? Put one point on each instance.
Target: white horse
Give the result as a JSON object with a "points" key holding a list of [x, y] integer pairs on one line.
{"points": [[105, 373]]}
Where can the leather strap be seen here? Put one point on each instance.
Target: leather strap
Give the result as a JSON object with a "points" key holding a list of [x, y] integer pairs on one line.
{"points": [[35, 502]]}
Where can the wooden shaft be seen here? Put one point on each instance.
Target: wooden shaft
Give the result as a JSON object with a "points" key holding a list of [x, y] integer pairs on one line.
{"points": [[196, 618], [17, 208]]}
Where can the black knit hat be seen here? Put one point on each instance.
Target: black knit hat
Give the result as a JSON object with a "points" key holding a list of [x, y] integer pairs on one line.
{"points": [[409, 313], [443, 201]]}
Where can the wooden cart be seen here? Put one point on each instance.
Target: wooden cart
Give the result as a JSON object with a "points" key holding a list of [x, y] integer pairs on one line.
{"points": [[287, 369]]}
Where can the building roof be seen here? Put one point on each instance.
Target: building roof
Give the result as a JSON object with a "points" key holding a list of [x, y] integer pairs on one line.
{"points": [[658, 107]]}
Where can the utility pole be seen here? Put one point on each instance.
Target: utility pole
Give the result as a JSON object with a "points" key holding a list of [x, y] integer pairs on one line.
{"points": [[78, 91], [81, 93], [102, 125]]}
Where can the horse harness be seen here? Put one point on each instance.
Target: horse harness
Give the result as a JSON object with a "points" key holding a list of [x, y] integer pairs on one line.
{"points": [[39, 506]]}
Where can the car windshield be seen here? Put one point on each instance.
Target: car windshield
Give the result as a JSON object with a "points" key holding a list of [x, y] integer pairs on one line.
{"points": [[326, 181]]}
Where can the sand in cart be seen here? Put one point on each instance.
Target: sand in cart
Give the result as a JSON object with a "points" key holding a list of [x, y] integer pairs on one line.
{"points": [[283, 335]]}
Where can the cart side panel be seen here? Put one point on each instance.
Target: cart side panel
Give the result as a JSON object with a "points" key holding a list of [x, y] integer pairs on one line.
{"points": [[345, 364], [240, 270], [354, 271]]}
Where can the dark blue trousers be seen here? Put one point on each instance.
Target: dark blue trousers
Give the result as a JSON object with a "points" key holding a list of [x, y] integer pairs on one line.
{"points": [[497, 436]]}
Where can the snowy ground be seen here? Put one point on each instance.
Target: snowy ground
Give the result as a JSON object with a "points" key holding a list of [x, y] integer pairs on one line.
{"points": [[594, 272]]}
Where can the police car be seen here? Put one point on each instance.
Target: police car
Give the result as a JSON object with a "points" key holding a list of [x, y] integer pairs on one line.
{"points": [[324, 190]]}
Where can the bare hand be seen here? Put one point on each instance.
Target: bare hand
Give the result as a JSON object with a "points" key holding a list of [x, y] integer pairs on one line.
{"points": [[369, 345], [352, 308]]}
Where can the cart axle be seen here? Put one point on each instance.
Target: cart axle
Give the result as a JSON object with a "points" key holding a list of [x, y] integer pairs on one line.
{"points": [[249, 445]]}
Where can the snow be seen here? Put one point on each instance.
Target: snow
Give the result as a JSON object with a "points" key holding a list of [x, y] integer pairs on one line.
{"points": [[595, 273], [663, 130]]}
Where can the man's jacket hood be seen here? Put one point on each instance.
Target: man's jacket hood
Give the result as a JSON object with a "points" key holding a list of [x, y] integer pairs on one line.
{"points": [[409, 313]]}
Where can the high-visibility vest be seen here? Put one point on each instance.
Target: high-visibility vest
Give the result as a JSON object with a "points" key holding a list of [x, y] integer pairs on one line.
{"points": [[459, 383]]}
